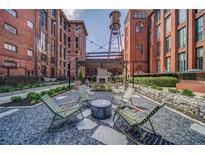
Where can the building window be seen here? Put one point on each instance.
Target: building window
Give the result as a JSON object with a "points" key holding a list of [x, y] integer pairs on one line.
{"points": [[43, 19], [30, 24], [43, 58], [157, 16], [140, 48], [53, 61], [12, 12], [182, 62], [65, 26], [64, 53], [182, 38], [199, 58], [76, 51], [69, 28], [158, 66], [43, 41], [140, 14], [158, 49], [139, 27], [52, 72], [10, 47], [10, 63], [76, 42], [43, 70], [199, 28], [10, 28], [53, 12], [29, 52], [182, 13], [69, 42], [158, 33], [150, 25], [168, 44], [60, 35], [64, 39], [168, 24], [168, 63], [53, 27], [52, 46]]}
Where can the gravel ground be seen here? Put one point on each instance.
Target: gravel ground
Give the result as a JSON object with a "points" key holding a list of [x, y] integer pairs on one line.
{"points": [[29, 125]]}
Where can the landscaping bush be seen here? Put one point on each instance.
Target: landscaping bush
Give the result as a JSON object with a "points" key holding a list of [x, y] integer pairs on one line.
{"points": [[173, 90], [16, 99], [159, 81], [33, 96], [156, 87], [102, 87], [187, 92], [44, 92]]}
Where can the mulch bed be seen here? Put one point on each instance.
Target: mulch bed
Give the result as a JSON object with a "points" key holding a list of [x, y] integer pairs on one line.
{"points": [[24, 102]]}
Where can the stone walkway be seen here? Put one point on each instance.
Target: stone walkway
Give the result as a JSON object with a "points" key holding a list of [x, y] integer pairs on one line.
{"points": [[29, 126]]}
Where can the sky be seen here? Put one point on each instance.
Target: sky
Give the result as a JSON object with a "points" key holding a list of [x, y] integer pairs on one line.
{"points": [[97, 24]]}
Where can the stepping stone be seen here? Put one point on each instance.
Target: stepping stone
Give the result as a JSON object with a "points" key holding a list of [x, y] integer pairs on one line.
{"points": [[60, 97], [109, 136], [137, 96], [86, 124], [109, 121], [6, 113], [86, 113], [198, 128], [114, 106]]}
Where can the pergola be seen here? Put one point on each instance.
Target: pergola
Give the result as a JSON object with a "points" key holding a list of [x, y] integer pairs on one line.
{"points": [[109, 64]]}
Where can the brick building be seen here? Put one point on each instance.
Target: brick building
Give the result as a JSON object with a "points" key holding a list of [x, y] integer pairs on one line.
{"points": [[136, 40], [174, 41], [36, 42]]}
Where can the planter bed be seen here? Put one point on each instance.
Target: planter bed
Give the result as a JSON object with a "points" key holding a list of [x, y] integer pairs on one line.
{"points": [[28, 102]]}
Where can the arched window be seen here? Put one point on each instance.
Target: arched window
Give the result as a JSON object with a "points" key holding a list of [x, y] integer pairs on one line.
{"points": [[139, 27]]}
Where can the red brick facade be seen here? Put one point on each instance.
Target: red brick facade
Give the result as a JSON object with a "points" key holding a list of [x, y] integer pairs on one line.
{"points": [[54, 59], [135, 41], [148, 37]]}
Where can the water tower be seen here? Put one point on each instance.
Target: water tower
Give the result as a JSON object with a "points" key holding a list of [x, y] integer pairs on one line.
{"points": [[115, 43]]}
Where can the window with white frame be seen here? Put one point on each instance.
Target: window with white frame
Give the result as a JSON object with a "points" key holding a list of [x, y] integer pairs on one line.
{"points": [[43, 41], [158, 33], [182, 16], [10, 28], [10, 47], [168, 24], [12, 12], [30, 24], [29, 52]]}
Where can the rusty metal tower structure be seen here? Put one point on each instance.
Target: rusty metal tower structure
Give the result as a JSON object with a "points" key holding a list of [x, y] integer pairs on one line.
{"points": [[115, 42]]}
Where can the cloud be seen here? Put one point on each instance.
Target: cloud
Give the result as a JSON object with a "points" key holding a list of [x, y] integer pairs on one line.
{"points": [[72, 13]]}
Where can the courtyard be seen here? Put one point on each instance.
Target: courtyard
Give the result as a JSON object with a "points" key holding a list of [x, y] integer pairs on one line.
{"points": [[29, 125]]}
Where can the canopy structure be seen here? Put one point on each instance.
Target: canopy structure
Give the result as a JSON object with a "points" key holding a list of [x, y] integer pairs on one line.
{"points": [[116, 66]]}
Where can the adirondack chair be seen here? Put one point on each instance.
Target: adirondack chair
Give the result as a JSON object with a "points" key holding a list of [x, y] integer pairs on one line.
{"points": [[128, 114], [84, 95], [61, 111], [126, 97]]}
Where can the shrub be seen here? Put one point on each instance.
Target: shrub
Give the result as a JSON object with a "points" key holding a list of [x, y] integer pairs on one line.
{"points": [[5, 89], [102, 87], [159, 81], [187, 92], [173, 90], [51, 92], [16, 99], [156, 87], [44, 92], [33, 96]]}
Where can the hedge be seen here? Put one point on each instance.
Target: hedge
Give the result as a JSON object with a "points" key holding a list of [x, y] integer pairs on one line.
{"points": [[163, 81]]}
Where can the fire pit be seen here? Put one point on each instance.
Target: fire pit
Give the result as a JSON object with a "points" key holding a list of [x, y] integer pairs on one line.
{"points": [[101, 109]]}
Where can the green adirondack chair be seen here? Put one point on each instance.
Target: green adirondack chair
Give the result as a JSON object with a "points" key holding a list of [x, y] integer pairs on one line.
{"points": [[61, 111], [84, 95], [127, 113]]}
